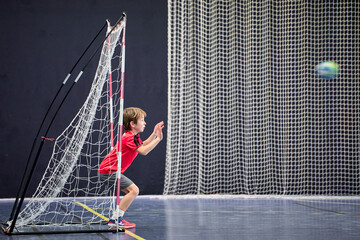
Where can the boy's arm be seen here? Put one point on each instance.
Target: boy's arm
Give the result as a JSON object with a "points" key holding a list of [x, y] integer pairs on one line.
{"points": [[157, 130], [152, 141], [149, 139], [145, 149]]}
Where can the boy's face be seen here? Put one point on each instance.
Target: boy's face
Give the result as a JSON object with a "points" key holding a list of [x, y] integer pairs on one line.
{"points": [[139, 126]]}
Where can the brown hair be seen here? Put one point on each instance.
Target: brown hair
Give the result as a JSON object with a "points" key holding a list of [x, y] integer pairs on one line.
{"points": [[132, 114]]}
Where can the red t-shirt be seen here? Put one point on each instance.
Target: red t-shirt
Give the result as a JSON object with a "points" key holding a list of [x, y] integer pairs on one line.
{"points": [[129, 143]]}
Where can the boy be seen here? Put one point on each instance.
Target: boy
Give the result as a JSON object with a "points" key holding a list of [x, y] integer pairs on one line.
{"points": [[131, 145]]}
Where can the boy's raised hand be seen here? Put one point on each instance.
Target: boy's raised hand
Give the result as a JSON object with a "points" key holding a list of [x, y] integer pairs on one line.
{"points": [[158, 130], [150, 143]]}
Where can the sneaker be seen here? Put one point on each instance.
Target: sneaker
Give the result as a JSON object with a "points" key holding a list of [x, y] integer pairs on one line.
{"points": [[122, 223]]}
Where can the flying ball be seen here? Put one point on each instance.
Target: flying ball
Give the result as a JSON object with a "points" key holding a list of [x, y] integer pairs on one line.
{"points": [[327, 70]]}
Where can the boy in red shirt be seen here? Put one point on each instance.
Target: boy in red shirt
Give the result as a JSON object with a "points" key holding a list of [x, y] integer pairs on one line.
{"points": [[131, 144]]}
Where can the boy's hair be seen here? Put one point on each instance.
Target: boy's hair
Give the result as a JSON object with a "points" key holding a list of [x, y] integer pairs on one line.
{"points": [[132, 114]]}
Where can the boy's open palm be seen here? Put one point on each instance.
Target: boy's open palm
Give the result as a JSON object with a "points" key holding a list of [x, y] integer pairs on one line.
{"points": [[158, 130]]}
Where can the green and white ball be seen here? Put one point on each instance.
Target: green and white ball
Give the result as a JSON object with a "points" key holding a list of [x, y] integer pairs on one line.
{"points": [[327, 70]]}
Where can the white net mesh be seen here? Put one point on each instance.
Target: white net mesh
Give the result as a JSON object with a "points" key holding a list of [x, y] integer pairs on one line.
{"points": [[247, 114], [72, 170]]}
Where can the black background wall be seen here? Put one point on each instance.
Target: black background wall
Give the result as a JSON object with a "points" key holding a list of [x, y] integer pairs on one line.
{"points": [[41, 41]]}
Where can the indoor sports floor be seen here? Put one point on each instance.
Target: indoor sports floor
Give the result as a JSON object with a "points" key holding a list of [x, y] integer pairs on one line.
{"points": [[224, 217]]}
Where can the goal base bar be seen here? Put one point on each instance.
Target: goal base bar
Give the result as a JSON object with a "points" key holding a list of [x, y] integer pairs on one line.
{"points": [[62, 232]]}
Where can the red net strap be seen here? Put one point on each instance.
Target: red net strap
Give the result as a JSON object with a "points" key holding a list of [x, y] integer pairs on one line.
{"points": [[48, 139]]}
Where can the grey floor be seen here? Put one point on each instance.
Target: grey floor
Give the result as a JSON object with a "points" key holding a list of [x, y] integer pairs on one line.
{"points": [[224, 217]]}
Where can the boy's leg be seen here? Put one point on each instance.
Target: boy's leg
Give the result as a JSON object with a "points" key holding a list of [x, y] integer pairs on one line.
{"points": [[131, 192]]}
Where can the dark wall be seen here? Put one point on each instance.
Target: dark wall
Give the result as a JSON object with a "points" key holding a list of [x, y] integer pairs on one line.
{"points": [[40, 43]]}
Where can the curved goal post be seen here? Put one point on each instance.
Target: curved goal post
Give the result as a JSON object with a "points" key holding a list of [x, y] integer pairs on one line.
{"points": [[71, 197]]}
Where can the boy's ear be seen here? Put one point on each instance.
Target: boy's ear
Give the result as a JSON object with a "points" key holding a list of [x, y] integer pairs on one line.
{"points": [[132, 124]]}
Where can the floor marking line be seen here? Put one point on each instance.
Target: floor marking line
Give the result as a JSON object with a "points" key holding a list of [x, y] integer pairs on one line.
{"points": [[79, 219], [92, 211], [107, 219], [324, 202], [321, 209]]}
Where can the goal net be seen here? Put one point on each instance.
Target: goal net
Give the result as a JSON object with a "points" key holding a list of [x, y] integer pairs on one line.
{"points": [[246, 112], [70, 187]]}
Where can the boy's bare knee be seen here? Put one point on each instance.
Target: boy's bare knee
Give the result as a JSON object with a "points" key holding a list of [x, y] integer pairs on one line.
{"points": [[133, 189], [137, 190]]}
